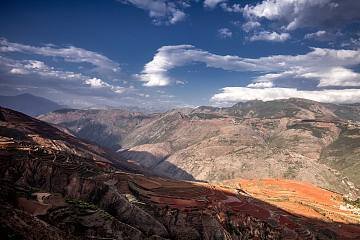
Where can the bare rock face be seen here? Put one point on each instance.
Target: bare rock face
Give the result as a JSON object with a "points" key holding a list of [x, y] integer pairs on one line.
{"points": [[226, 148], [56, 191]]}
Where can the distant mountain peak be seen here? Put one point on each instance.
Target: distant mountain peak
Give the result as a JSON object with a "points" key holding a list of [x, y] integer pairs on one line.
{"points": [[29, 104]]}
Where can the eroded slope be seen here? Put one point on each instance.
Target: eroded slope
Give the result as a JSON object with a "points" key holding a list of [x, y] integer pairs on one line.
{"points": [[56, 193]]}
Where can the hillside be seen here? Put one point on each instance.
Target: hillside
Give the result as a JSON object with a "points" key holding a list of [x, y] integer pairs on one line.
{"points": [[55, 186], [29, 104], [104, 127], [293, 139]]}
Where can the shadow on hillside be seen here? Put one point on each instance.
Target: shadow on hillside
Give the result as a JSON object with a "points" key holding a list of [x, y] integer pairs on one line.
{"points": [[251, 214], [94, 132], [157, 165], [23, 128]]}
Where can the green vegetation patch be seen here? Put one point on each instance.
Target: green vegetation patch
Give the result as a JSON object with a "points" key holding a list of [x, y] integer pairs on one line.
{"points": [[81, 204], [355, 203], [266, 109], [344, 154], [292, 170], [315, 131], [65, 110], [205, 115]]}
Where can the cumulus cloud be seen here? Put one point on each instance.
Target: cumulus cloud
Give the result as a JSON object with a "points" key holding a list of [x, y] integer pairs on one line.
{"points": [[69, 54], [247, 27], [96, 83], [318, 34], [270, 36], [234, 8], [326, 77], [18, 71], [329, 67], [48, 74], [90, 78], [161, 11], [336, 76], [323, 35], [38, 68], [294, 14], [45, 71], [230, 95], [212, 3], [224, 33], [155, 72]]}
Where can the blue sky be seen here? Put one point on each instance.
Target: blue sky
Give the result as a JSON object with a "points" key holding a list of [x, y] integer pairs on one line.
{"points": [[165, 53]]}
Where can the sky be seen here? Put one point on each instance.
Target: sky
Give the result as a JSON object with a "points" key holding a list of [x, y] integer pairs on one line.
{"points": [[160, 54]]}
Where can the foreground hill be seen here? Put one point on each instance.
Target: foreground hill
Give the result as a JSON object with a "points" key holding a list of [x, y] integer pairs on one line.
{"points": [[54, 186], [29, 104], [293, 139]]}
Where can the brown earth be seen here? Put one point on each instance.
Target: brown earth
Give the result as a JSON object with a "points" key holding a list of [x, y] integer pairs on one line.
{"points": [[55, 191]]}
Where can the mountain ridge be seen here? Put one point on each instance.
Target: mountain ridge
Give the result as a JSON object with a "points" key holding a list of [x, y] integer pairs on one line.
{"points": [[51, 189], [293, 139], [29, 104]]}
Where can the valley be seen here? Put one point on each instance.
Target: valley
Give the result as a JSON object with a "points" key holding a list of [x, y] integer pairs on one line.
{"points": [[294, 139], [180, 120], [55, 186]]}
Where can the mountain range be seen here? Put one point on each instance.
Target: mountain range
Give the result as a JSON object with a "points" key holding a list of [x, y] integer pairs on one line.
{"points": [[293, 139], [56, 186], [29, 104]]}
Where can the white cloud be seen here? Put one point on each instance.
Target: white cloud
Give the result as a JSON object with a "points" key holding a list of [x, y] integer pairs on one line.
{"points": [[18, 71], [328, 66], [327, 77], [179, 82], [270, 36], [101, 65], [47, 74], [34, 64], [212, 3], [169, 57], [39, 68], [336, 76], [318, 34], [235, 8], [229, 95], [161, 11], [224, 33], [96, 83], [293, 14], [78, 87], [323, 35], [177, 17], [247, 27], [69, 54]]}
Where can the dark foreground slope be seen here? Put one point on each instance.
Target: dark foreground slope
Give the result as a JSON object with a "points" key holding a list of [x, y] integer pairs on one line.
{"points": [[53, 186]]}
